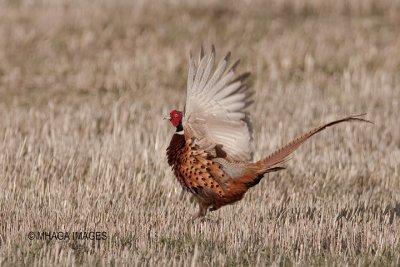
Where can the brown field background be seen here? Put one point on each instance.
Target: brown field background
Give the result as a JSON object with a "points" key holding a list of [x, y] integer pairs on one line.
{"points": [[84, 86]]}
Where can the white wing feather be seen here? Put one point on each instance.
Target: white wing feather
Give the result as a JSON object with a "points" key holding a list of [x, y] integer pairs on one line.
{"points": [[215, 107]]}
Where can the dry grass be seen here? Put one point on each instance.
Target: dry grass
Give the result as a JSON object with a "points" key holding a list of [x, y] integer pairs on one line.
{"points": [[83, 88]]}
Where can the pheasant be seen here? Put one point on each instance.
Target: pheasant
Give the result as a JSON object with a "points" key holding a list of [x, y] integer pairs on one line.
{"points": [[210, 152]]}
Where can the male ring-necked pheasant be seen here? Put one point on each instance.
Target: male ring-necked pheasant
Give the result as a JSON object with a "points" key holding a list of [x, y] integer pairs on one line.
{"points": [[210, 151]]}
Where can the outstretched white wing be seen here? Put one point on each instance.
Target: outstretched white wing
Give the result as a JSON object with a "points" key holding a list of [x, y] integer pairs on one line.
{"points": [[215, 107]]}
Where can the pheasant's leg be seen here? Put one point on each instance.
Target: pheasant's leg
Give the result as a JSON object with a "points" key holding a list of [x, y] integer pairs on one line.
{"points": [[202, 211], [211, 218], [214, 208]]}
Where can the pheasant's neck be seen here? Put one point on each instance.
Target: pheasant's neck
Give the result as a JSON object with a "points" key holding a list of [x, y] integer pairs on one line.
{"points": [[176, 144], [179, 128]]}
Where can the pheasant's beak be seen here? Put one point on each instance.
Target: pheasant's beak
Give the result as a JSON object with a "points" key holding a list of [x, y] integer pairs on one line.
{"points": [[167, 118]]}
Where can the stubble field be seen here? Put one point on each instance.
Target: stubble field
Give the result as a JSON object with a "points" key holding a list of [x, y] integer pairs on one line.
{"points": [[84, 86]]}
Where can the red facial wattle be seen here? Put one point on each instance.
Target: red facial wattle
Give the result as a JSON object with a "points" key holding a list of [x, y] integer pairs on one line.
{"points": [[175, 122], [175, 117]]}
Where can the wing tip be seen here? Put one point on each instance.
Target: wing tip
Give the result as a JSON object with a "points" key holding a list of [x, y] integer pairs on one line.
{"points": [[227, 56], [235, 65], [201, 51], [242, 77]]}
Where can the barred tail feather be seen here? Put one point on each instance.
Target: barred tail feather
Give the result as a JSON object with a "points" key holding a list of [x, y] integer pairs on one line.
{"points": [[281, 154]]}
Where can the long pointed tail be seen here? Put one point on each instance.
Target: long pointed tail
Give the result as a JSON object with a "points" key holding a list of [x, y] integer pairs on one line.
{"points": [[268, 164]]}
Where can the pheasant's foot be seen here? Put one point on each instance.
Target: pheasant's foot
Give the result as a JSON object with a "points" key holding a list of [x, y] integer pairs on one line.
{"points": [[196, 216], [209, 219]]}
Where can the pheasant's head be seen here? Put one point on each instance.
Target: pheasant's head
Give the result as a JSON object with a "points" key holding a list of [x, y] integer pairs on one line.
{"points": [[175, 117]]}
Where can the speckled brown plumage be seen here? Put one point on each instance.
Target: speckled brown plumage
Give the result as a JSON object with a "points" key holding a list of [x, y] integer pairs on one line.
{"points": [[193, 169]]}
